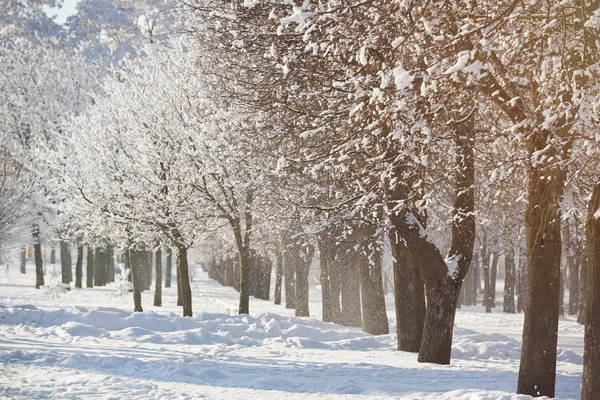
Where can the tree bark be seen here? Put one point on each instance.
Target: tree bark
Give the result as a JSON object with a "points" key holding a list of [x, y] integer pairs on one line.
{"points": [[409, 295], [521, 281], [537, 372], [350, 289], [158, 279], [79, 267], [136, 264], [493, 274], [289, 276], [324, 264], [278, 273], [23, 259], [184, 279], [590, 387], [572, 270], [443, 278], [89, 268], [302, 254], [65, 262], [39, 264], [583, 262], [485, 266], [374, 319], [509, 275], [169, 267]]}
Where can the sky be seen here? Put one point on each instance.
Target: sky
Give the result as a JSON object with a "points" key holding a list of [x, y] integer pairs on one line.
{"points": [[62, 13]]}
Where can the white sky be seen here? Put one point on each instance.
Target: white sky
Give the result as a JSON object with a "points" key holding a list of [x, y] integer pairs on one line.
{"points": [[61, 14]]}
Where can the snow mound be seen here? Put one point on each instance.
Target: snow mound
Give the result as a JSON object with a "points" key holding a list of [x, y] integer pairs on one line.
{"points": [[204, 329]]}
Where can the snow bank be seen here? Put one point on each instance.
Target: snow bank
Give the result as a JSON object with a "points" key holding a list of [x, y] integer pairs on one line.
{"points": [[204, 329]]}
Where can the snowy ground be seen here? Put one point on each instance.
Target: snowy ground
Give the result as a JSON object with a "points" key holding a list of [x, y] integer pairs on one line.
{"points": [[87, 344]]}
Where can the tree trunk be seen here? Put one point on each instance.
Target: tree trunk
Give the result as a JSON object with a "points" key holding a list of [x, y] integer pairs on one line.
{"points": [[98, 267], [493, 273], [324, 264], [301, 253], [169, 267], [537, 372], [89, 268], [79, 267], [439, 322], [289, 276], [374, 319], [52, 255], [111, 264], [509, 275], [278, 273], [521, 281], [39, 264], [350, 289], [590, 387], [184, 279], [65, 262], [572, 271], [443, 278], [244, 261], [136, 264], [583, 262], [23, 259], [158, 279], [485, 266], [409, 295]]}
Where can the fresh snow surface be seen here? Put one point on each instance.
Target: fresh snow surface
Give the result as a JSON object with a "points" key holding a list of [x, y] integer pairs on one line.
{"points": [[88, 344]]}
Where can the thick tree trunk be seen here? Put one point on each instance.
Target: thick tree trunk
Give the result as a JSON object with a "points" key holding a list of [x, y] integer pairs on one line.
{"points": [[537, 373], [350, 289], [303, 255], [65, 262], [39, 263], [439, 322], [158, 279], [509, 275], [244, 260], [169, 267], [79, 267], [278, 273], [23, 259], [590, 387], [89, 268], [179, 290], [409, 295], [136, 264], [375, 319], [184, 279], [443, 278]]}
